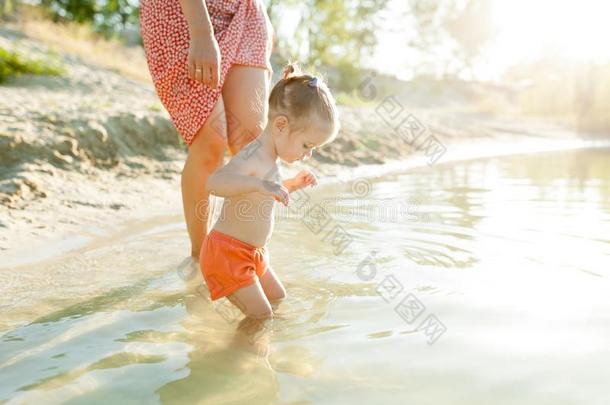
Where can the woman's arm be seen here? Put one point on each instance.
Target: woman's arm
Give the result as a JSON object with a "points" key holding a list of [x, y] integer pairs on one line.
{"points": [[204, 53], [197, 17]]}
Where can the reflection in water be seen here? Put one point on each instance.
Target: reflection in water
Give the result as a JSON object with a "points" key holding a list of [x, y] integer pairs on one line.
{"points": [[511, 255], [220, 372]]}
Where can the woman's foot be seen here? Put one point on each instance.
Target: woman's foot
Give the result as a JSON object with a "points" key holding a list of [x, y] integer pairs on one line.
{"points": [[188, 269]]}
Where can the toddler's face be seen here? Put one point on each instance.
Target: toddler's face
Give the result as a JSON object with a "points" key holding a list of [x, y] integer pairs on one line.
{"points": [[301, 143], [297, 144]]}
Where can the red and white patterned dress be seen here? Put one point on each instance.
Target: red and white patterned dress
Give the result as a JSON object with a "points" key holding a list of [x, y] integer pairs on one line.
{"points": [[244, 35]]}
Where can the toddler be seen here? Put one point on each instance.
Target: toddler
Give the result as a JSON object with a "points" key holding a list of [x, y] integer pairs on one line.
{"points": [[234, 258]]}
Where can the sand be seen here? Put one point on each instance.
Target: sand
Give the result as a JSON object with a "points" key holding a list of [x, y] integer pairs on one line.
{"points": [[94, 150]]}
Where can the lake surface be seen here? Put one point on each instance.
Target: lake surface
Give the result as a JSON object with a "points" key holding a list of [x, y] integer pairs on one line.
{"points": [[478, 282]]}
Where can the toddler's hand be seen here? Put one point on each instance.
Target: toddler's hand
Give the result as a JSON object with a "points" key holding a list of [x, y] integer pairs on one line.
{"points": [[278, 191], [303, 179]]}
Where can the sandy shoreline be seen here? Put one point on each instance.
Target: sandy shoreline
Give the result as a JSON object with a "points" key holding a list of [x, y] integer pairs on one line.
{"points": [[92, 153], [133, 204]]}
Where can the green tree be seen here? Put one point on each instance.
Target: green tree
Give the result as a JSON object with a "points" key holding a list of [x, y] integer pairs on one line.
{"points": [[71, 10], [117, 15], [8, 8], [331, 34], [106, 16]]}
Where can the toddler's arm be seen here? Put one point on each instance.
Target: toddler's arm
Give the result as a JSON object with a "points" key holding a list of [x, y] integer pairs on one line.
{"points": [[303, 179], [236, 178], [230, 180]]}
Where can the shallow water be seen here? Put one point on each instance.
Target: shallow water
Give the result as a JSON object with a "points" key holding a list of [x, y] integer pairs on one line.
{"points": [[499, 269]]}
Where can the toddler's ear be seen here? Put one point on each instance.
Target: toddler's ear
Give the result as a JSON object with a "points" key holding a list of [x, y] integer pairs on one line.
{"points": [[281, 123]]}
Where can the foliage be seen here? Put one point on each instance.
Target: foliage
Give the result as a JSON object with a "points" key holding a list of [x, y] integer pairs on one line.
{"points": [[7, 8], [80, 40], [106, 16], [14, 64], [335, 34]]}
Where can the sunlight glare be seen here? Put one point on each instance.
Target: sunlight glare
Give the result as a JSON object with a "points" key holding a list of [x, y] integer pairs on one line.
{"points": [[577, 30]]}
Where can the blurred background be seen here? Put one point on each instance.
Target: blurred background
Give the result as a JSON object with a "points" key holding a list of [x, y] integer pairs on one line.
{"points": [[539, 58]]}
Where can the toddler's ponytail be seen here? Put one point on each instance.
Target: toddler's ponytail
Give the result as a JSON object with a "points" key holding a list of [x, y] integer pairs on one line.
{"points": [[292, 69]]}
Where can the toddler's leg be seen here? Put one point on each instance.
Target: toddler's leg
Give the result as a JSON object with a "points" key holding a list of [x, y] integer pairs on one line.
{"points": [[272, 286], [251, 300]]}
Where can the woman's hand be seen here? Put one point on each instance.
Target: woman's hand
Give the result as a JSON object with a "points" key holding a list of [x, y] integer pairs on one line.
{"points": [[204, 59], [303, 179], [276, 190]]}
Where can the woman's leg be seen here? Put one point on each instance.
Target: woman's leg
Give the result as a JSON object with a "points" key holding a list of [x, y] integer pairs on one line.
{"points": [[244, 100], [245, 94], [205, 155]]}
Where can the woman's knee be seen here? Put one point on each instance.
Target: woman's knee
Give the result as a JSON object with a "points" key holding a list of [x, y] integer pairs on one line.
{"points": [[245, 95], [207, 150], [209, 144], [208, 154]]}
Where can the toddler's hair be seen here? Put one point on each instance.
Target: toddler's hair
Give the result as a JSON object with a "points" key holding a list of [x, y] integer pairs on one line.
{"points": [[299, 96]]}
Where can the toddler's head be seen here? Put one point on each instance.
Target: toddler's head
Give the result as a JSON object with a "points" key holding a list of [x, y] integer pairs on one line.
{"points": [[302, 114]]}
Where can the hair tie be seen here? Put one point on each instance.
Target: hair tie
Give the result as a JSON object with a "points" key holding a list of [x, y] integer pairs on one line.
{"points": [[288, 70], [313, 82]]}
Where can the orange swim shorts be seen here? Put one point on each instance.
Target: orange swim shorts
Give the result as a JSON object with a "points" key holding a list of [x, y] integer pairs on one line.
{"points": [[228, 264]]}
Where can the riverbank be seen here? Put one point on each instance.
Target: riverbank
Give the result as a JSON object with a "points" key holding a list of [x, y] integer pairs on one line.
{"points": [[93, 151]]}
